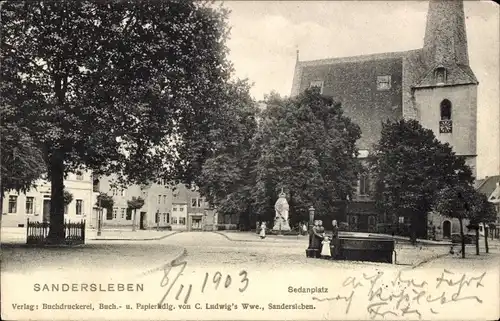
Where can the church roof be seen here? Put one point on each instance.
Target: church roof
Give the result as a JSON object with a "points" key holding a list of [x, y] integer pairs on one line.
{"points": [[352, 59]]}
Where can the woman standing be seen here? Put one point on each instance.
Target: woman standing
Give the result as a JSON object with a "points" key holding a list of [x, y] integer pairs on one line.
{"points": [[317, 237], [335, 243]]}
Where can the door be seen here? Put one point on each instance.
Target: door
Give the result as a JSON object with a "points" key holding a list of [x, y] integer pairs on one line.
{"points": [[447, 229], [141, 222], [196, 223], [46, 210]]}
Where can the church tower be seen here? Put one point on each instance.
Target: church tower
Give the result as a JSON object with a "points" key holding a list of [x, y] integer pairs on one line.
{"points": [[445, 95]]}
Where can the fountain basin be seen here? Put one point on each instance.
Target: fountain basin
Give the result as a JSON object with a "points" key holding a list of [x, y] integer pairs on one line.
{"points": [[371, 249]]}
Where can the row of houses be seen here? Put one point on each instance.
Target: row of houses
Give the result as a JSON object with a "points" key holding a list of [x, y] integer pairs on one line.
{"points": [[179, 208]]}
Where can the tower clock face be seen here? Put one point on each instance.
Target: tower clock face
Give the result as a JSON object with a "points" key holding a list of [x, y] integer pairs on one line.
{"points": [[445, 126]]}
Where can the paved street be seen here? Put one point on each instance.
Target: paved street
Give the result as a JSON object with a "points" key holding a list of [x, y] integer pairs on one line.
{"points": [[268, 267], [202, 249]]}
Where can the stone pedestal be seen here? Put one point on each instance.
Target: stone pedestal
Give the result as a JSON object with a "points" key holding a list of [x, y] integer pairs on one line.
{"points": [[281, 225]]}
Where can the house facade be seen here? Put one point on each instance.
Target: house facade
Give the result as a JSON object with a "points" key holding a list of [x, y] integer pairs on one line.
{"points": [[434, 85], [200, 215], [179, 208], [34, 205], [444, 227], [154, 213]]}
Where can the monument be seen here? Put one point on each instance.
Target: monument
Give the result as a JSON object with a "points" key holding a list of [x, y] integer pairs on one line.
{"points": [[281, 219]]}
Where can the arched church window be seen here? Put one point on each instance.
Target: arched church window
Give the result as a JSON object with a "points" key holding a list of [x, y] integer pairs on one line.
{"points": [[440, 74], [445, 124], [445, 110]]}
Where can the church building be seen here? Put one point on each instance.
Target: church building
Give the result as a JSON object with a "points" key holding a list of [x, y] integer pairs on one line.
{"points": [[434, 85]]}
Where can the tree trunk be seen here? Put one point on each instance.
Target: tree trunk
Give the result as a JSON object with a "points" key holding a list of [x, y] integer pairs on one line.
{"points": [[486, 232], [413, 228], [133, 220], [56, 167], [477, 240], [462, 237], [1, 206]]}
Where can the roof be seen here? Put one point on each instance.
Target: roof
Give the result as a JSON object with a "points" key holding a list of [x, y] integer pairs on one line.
{"points": [[455, 75], [495, 196], [351, 59], [478, 183], [488, 185]]}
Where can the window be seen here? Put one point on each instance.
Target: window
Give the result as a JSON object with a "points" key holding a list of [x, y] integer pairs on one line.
{"points": [[123, 212], [317, 84], [364, 185], [401, 219], [196, 202], [174, 220], [445, 109], [79, 207], [129, 214], [440, 75], [79, 176], [122, 192], [383, 82], [182, 220], [30, 205], [95, 186], [445, 124], [114, 191], [174, 209], [164, 199], [109, 215], [159, 199], [66, 209], [12, 204], [115, 212]]}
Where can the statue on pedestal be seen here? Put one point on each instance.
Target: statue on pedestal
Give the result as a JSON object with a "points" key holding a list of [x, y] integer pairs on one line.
{"points": [[281, 219]]}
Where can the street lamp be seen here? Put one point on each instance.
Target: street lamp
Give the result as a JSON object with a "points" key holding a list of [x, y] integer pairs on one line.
{"points": [[311, 216]]}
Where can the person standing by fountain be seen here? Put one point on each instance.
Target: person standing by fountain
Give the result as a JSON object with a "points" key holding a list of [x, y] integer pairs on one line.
{"points": [[262, 233], [317, 237], [321, 228], [335, 243]]}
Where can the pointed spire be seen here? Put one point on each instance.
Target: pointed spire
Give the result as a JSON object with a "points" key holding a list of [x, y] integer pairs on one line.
{"points": [[445, 39], [297, 57]]}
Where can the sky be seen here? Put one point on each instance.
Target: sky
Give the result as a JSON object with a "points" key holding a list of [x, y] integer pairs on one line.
{"points": [[265, 36]]}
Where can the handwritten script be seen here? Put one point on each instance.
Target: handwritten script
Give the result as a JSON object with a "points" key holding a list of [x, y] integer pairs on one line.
{"points": [[402, 295], [217, 280]]}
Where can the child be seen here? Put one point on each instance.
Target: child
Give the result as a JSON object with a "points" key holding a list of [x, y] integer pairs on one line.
{"points": [[325, 249], [304, 229], [263, 231]]}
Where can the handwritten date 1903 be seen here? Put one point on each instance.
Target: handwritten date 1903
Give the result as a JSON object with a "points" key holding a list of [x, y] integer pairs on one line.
{"points": [[217, 279]]}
